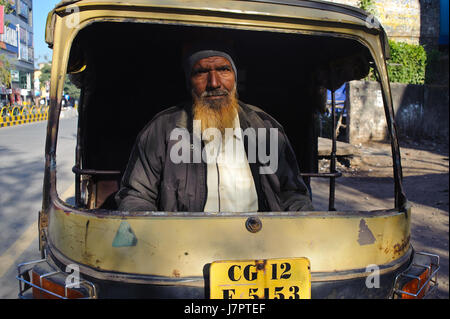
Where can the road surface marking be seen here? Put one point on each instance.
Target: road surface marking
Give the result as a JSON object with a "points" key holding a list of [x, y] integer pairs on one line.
{"points": [[68, 193], [11, 255], [16, 249]]}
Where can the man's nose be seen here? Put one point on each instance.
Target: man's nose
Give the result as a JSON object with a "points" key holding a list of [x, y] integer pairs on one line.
{"points": [[213, 80]]}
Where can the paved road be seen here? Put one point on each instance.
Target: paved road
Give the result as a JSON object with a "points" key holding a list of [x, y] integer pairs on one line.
{"points": [[21, 176]]}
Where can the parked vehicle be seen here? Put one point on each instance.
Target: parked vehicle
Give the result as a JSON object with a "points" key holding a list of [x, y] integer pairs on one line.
{"points": [[306, 47]]}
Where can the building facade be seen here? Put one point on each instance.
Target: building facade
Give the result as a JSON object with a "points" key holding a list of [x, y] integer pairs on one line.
{"points": [[17, 46]]}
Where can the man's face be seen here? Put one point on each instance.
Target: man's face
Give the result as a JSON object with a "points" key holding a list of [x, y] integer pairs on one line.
{"points": [[213, 81]]}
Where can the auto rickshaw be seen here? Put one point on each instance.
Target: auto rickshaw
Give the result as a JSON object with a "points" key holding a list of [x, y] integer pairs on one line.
{"points": [[126, 58]]}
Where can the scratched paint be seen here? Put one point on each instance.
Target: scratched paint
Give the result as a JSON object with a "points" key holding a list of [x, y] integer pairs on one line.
{"points": [[365, 236], [125, 236]]}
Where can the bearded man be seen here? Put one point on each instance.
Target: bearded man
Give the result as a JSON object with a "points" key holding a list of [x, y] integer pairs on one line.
{"points": [[227, 176]]}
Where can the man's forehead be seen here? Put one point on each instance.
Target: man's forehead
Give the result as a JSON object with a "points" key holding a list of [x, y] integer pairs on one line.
{"points": [[212, 61]]}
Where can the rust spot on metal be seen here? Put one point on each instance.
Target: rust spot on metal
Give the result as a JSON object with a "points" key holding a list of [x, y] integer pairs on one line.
{"points": [[86, 234], [43, 219], [176, 273], [400, 247], [261, 264]]}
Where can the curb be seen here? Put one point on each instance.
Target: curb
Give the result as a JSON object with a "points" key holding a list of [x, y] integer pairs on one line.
{"points": [[11, 116], [22, 119]]}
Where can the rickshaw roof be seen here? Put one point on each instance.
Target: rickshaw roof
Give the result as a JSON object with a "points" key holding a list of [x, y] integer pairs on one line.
{"points": [[318, 10], [283, 6], [327, 5]]}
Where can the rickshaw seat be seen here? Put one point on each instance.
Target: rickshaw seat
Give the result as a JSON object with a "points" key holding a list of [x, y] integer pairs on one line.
{"points": [[102, 192]]}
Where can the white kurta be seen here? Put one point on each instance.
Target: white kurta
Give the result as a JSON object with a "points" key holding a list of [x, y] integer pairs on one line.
{"points": [[229, 179]]}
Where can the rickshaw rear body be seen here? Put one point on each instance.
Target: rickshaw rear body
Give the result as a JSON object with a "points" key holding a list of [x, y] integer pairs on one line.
{"points": [[176, 254]]}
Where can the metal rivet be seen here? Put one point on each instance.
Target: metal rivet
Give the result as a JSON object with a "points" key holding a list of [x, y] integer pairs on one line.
{"points": [[253, 224]]}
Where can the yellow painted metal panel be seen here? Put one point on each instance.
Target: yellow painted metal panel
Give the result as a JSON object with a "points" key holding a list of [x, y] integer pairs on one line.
{"points": [[182, 246], [269, 10]]}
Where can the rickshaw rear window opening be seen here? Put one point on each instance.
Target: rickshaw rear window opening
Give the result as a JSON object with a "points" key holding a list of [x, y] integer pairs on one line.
{"points": [[129, 72]]}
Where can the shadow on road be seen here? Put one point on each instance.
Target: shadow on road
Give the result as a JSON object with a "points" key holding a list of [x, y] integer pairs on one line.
{"points": [[21, 185], [428, 195], [21, 194]]}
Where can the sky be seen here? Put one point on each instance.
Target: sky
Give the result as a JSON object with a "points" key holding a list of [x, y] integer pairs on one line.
{"points": [[41, 8]]}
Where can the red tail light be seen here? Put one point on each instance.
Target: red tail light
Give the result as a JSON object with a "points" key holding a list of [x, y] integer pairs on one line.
{"points": [[52, 286], [417, 286], [419, 279]]}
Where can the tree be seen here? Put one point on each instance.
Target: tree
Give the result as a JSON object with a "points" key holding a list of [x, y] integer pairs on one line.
{"points": [[5, 66], [45, 74], [5, 72], [7, 5], [368, 5], [69, 87]]}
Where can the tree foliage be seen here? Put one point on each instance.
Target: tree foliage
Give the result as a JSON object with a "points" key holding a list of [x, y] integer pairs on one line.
{"points": [[45, 74], [368, 5], [5, 66], [69, 87], [7, 5], [408, 63], [5, 71]]}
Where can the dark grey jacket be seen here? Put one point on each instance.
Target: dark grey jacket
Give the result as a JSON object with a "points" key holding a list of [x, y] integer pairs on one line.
{"points": [[152, 182]]}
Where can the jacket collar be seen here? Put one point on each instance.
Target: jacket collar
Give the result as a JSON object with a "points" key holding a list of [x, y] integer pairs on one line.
{"points": [[185, 116]]}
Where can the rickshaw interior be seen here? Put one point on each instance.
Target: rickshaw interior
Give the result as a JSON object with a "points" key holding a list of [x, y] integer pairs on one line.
{"points": [[134, 70]]}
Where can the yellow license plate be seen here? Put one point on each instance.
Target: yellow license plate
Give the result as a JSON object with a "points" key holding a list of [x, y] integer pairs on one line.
{"points": [[287, 278]]}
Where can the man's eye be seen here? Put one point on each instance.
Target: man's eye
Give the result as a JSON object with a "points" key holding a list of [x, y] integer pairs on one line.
{"points": [[199, 71], [224, 69]]}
